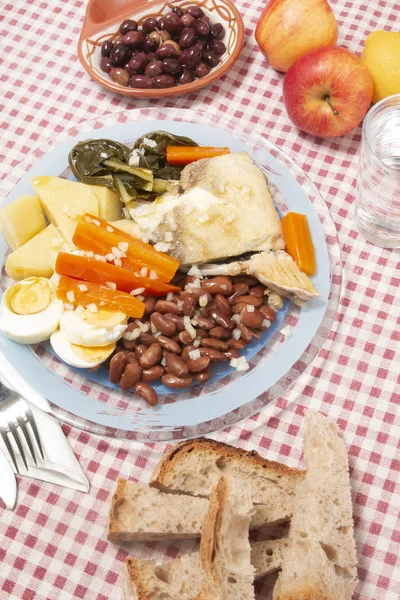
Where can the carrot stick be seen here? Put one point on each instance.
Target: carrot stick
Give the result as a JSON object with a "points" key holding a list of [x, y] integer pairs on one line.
{"points": [[299, 245], [95, 271], [183, 155], [94, 232], [100, 296]]}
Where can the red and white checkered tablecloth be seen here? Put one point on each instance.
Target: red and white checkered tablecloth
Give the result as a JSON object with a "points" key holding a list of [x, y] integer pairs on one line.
{"points": [[54, 546]]}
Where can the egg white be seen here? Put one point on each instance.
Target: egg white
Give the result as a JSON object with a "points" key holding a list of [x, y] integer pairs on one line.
{"points": [[67, 353], [81, 333], [30, 328]]}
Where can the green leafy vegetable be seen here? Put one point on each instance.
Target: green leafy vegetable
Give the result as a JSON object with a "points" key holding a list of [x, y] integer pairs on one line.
{"points": [[105, 162]]}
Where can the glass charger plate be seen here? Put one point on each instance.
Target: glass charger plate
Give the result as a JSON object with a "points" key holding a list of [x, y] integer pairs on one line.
{"points": [[275, 363]]}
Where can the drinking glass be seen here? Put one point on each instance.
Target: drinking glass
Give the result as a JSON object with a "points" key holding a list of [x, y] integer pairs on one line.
{"points": [[377, 206]]}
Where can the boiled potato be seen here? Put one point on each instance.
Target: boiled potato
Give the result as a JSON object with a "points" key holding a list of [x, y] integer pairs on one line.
{"points": [[110, 206], [63, 202], [128, 226], [21, 220], [37, 257]]}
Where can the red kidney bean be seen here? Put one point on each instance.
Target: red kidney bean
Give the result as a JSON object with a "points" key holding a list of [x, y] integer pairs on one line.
{"points": [[247, 334], [151, 356], [218, 285], [220, 333], [152, 374], [204, 376], [169, 344], [222, 319], [258, 290], [268, 313], [247, 279], [189, 306], [147, 339], [236, 344], [239, 289], [214, 355], [200, 333], [196, 365], [129, 344], [172, 381], [185, 338], [164, 307], [223, 304], [146, 392], [205, 323], [117, 366], [130, 376], [238, 307], [231, 353], [140, 350], [149, 304], [182, 281], [252, 319], [213, 343], [185, 353], [176, 365], [197, 293], [163, 324], [179, 322], [250, 299]]}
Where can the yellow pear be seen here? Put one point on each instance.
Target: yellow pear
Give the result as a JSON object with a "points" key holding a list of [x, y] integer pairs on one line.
{"points": [[381, 56]]}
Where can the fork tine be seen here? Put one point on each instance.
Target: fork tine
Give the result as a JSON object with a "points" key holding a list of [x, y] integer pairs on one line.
{"points": [[10, 450], [31, 420], [15, 435], [25, 431]]}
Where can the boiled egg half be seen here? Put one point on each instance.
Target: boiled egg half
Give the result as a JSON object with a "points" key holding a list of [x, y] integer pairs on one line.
{"points": [[86, 338], [30, 311]]}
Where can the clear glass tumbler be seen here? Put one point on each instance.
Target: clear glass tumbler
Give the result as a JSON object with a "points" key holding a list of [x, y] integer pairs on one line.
{"points": [[377, 206]]}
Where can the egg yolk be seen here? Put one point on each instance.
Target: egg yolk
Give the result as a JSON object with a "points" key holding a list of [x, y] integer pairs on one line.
{"points": [[104, 318], [93, 354], [30, 296]]}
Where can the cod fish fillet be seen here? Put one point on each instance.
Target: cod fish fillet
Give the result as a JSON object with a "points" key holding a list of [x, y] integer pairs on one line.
{"points": [[276, 270], [221, 208]]}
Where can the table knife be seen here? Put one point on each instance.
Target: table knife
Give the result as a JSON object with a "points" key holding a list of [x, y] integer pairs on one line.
{"points": [[8, 483]]}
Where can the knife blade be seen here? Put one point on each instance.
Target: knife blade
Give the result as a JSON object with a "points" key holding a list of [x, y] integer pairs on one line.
{"points": [[8, 483]]}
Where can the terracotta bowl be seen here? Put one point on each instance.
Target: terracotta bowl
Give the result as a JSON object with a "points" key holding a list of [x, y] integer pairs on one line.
{"points": [[103, 18]]}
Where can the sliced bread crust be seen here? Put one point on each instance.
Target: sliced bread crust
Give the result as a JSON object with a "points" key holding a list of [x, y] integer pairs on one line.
{"points": [[195, 466], [319, 561]]}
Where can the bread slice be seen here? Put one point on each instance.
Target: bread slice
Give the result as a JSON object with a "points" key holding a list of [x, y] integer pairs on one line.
{"points": [[141, 513], [319, 562], [225, 548], [195, 466]]}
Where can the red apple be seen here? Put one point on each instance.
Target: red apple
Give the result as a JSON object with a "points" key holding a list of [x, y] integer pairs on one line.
{"points": [[287, 29], [327, 92]]}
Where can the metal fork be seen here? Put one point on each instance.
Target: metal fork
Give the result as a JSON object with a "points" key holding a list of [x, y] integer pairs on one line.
{"points": [[15, 417]]}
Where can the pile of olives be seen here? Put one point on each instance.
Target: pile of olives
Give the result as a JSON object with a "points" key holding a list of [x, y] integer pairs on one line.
{"points": [[177, 48]]}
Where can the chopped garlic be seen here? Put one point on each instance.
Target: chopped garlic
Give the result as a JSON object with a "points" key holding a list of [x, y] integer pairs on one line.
{"points": [[194, 284], [196, 342], [110, 229], [134, 159], [90, 254], [203, 218], [274, 300], [236, 334], [96, 222], [162, 247], [250, 308], [240, 364], [170, 297], [83, 287], [117, 252], [168, 236], [111, 285], [153, 328], [132, 335], [92, 307], [100, 258], [110, 257], [117, 262], [70, 296], [80, 309], [194, 354], [163, 361], [144, 271], [195, 272], [195, 321], [236, 318], [266, 323], [123, 246], [179, 304], [68, 306], [153, 275], [203, 300], [137, 291], [149, 143], [189, 327], [141, 298]]}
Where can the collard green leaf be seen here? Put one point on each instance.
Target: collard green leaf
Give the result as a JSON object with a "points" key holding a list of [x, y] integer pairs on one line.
{"points": [[154, 157]]}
